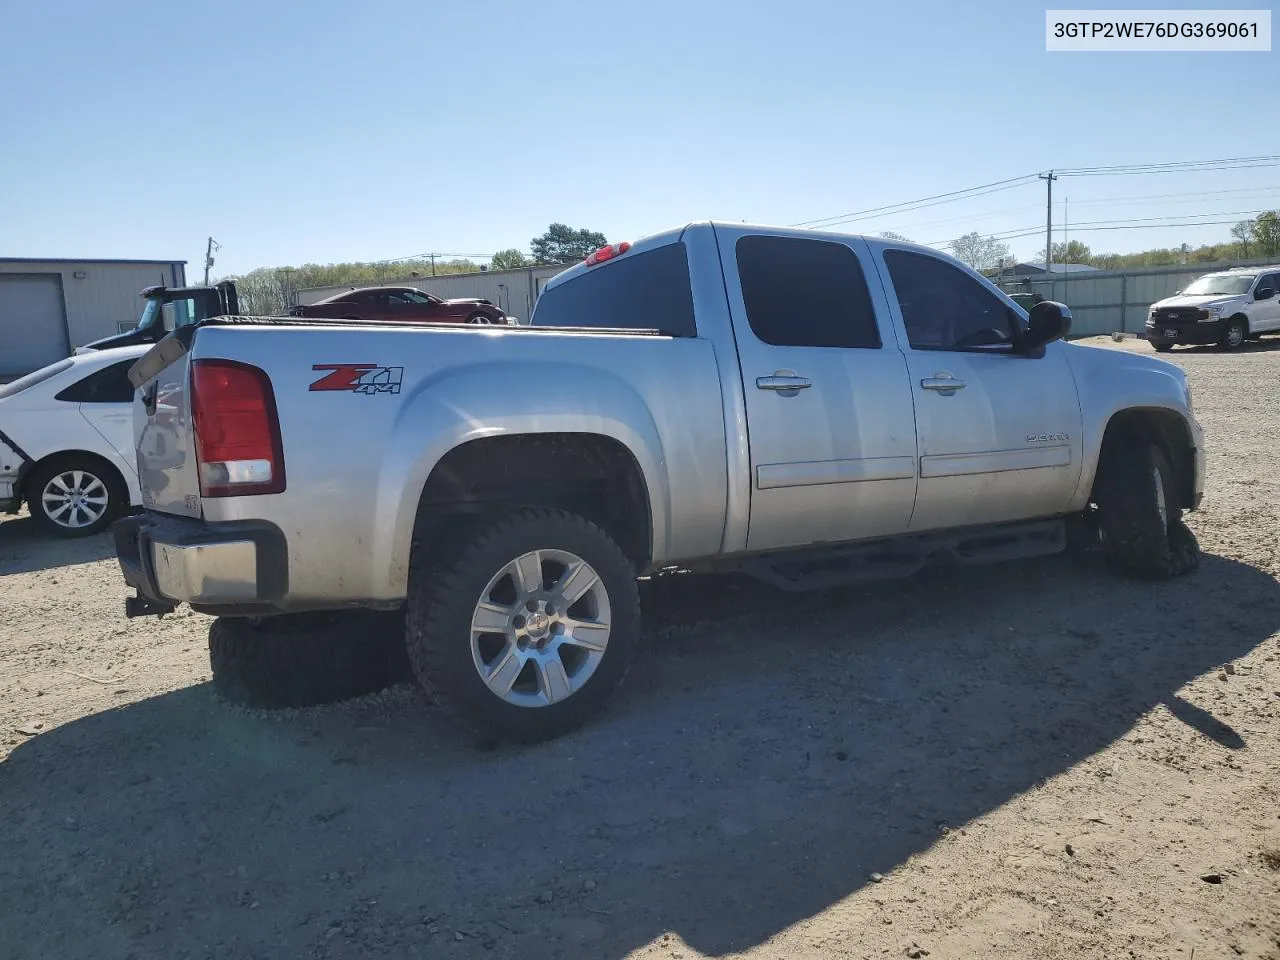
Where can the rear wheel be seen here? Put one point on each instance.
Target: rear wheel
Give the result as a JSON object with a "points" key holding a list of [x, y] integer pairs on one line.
{"points": [[1163, 347], [306, 659], [1234, 334], [76, 497], [1137, 511], [524, 630]]}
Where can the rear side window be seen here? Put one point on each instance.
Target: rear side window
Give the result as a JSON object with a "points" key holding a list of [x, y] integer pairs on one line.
{"points": [[108, 385], [806, 293], [643, 291]]}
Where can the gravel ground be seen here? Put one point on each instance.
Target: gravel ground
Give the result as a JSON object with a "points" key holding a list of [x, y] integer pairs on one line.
{"points": [[1029, 760]]}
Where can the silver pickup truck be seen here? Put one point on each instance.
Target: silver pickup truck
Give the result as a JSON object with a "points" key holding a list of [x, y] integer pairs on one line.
{"points": [[810, 408]]}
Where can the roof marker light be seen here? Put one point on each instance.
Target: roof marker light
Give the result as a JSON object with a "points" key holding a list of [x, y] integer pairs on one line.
{"points": [[607, 252]]}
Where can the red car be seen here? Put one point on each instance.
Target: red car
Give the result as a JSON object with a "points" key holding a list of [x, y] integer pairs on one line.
{"points": [[400, 303]]}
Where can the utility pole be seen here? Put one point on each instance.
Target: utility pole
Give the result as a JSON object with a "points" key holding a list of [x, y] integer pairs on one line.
{"points": [[208, 257], [433, 264], [1048, 179]]}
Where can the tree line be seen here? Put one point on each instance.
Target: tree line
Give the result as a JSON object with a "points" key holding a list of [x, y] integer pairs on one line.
{"points": [[271, 291], [1250, 239]]}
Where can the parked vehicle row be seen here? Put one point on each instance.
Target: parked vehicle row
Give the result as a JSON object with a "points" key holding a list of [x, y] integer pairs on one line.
{"points": [[67, 442], [808, 408], [1226, 309], [399, 304]]}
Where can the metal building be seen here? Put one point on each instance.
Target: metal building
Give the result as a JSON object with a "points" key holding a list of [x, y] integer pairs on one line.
{"points": [[1116, 301], [515, 291], [50, 307]]}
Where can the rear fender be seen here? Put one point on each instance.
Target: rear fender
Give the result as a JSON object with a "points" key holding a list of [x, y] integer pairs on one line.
{"points": [[470, 402]]}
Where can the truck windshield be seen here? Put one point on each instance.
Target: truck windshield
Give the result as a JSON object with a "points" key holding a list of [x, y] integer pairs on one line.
{"points": [[1230, 284], [150, 315]]}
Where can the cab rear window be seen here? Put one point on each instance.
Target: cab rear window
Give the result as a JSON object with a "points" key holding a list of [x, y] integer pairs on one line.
{"points": [[642, 291]]}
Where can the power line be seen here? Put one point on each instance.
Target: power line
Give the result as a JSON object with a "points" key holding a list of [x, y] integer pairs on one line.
{"points": [[908, 205], [1177, 166]]}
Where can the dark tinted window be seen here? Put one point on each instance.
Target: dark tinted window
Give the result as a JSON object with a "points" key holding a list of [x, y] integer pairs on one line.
{"points": [[943, 308], [1271, 280], [643, 291], [805, 293], [108, 385]]}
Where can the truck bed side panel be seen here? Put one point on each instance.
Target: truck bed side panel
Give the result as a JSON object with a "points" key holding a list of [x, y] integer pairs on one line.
{"points": [[367, 412]]}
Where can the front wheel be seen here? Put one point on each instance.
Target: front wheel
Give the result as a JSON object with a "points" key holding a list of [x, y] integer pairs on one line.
{"points": [[1163, 347], [481, 318], [524, 630], [75, 497], [1234, 335], [1138, 515]]}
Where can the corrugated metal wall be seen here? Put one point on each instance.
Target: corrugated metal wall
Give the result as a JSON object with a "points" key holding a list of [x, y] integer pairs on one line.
{"points": [[515, 291], [105, 299], [1116, 301]]}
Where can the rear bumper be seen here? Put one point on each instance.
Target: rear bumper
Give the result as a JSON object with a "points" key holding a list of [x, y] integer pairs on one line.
{"points": [[169, 560], [1199, 333]]}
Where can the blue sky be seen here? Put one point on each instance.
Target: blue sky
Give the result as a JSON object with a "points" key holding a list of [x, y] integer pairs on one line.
{"points": [[366, 131]]}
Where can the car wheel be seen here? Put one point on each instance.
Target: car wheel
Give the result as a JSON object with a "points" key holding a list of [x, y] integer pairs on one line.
{"points": [[482, 318], [1235, 334], [1139, 521], [75, 497], [524, 629], [306, 659], [1163, 347]]}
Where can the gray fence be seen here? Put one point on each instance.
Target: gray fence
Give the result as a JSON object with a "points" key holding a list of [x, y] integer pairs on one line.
{"points": [[1109, 301]]}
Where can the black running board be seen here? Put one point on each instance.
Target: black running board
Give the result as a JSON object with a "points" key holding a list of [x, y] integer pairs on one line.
{"points": [[818, 569]]}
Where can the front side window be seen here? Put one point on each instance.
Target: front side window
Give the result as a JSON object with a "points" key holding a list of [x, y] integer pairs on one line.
{"points": [[178, 313], [943, 308], [805, 293], [1271, 282], [641, 291]]}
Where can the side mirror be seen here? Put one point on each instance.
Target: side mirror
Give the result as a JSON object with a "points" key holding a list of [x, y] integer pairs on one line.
{"points": [[1263, 293], [1048, 321]]}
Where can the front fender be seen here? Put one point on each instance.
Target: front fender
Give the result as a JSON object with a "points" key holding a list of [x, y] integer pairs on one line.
{"points": [[464, 403], [1123, 382]]}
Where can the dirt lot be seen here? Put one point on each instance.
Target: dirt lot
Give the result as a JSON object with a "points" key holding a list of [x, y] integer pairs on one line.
{"points": [[1035, 760]]}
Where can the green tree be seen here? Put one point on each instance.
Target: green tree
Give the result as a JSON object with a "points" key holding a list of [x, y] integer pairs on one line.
{"points": [[563, 244], [1243, 234], [1266, 233], [1073, 251], [509, 259]]}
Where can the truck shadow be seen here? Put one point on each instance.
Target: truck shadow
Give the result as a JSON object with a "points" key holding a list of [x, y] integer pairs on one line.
{"points": [[772, 752], [26, 548]]}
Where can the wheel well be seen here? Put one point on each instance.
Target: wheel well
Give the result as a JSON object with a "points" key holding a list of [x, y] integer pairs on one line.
{"points": [[1169, 432], [109, 470], [593, 476]]}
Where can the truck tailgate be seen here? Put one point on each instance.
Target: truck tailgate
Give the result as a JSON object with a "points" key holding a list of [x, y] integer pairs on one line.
{"points": [[167, 471]]}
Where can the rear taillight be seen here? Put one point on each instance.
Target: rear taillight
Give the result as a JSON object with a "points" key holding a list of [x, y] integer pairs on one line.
{"points": [[237, 431]]}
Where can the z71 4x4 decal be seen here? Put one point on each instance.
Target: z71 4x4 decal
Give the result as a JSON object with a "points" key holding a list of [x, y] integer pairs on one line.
{"points": [[359, 378]]}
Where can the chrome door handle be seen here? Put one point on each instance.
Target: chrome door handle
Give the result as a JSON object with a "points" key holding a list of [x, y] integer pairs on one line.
{"points": [[944, 384], [782, 384]]}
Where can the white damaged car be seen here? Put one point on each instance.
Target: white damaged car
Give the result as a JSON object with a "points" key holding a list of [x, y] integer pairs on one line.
{"points": [[66, 442]]}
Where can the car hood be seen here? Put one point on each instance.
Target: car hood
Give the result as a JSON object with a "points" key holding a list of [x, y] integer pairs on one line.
{"points": [[467, 300], [1085, 359], [1203, 300]]}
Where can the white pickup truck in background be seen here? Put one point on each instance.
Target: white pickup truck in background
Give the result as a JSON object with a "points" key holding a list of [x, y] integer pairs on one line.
{"points": [[810, 408], [1224, 308]]}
